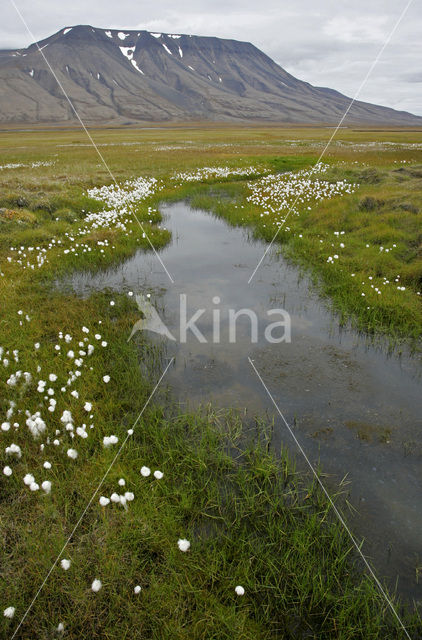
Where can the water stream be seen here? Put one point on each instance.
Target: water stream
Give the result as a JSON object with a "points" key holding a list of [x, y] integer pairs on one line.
{"points": [[355, 408]]}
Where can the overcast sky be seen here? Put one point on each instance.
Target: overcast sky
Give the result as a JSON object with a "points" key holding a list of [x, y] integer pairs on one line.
{"points": [[329, 43]]}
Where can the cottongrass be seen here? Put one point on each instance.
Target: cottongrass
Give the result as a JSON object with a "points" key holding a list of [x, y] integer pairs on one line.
{"points": [[46, 486], [29, 479], [118, 216], [117, 499], [14, 449], [205, 173], [130, 192], [137, 589], [283, 194], [96, 585], [109, 440], [65, 564], [145, 471], [183, 544], [9, 612], [240, 591]]}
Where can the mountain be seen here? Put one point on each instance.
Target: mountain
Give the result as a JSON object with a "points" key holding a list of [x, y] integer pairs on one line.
{"points": [[117, 77]]}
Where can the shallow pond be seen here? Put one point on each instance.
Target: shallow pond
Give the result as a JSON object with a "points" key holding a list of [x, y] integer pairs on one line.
{"points": [[355, 409]]}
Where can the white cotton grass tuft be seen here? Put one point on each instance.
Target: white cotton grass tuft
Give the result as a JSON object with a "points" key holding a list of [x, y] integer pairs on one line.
{"points": [[47, 465], [108, 440], [104, 501], [29, 479], [46, 486], [60, 627], [66, 417], [14, 449], [240, 591], [96, 585], [9, 612], [65, 564], [183, 544], [158, 474], [137, 589], [72, 453], [106, 379], [7, 471], [122, 482], [145, 471]]}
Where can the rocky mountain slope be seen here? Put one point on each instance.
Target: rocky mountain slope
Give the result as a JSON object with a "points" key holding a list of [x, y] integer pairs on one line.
{"points": [[115, 77]]}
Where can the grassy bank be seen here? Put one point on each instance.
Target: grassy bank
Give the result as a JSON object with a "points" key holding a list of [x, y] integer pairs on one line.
{"points": [[251, 520]]}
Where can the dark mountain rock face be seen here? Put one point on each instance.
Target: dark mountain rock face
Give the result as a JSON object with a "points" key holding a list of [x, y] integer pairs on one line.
{"points": [[128, 76]]}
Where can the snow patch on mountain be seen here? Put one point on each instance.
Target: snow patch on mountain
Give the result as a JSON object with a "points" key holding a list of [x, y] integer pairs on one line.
{"points": [[127, 52], [136, 67]]}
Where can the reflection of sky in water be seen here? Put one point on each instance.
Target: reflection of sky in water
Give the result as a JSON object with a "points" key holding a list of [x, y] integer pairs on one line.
{"points": [[347, 397]]}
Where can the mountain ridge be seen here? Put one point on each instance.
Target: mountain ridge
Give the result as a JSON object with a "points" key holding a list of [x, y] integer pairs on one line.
{"points": [[114, 75]]}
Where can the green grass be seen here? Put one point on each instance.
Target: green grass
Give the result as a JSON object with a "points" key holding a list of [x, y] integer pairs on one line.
{"points": [[250, 517]]}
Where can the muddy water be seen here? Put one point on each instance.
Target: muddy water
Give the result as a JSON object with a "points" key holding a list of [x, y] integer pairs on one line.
{"points": [[355, 409]]}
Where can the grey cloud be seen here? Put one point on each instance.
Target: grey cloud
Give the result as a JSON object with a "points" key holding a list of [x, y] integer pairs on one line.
{"points": [[413, 77]]}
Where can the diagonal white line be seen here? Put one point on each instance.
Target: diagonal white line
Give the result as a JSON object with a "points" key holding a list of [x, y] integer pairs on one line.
{"points": [[72, 106], [91, 500], [353, 100], [336, 511]]}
